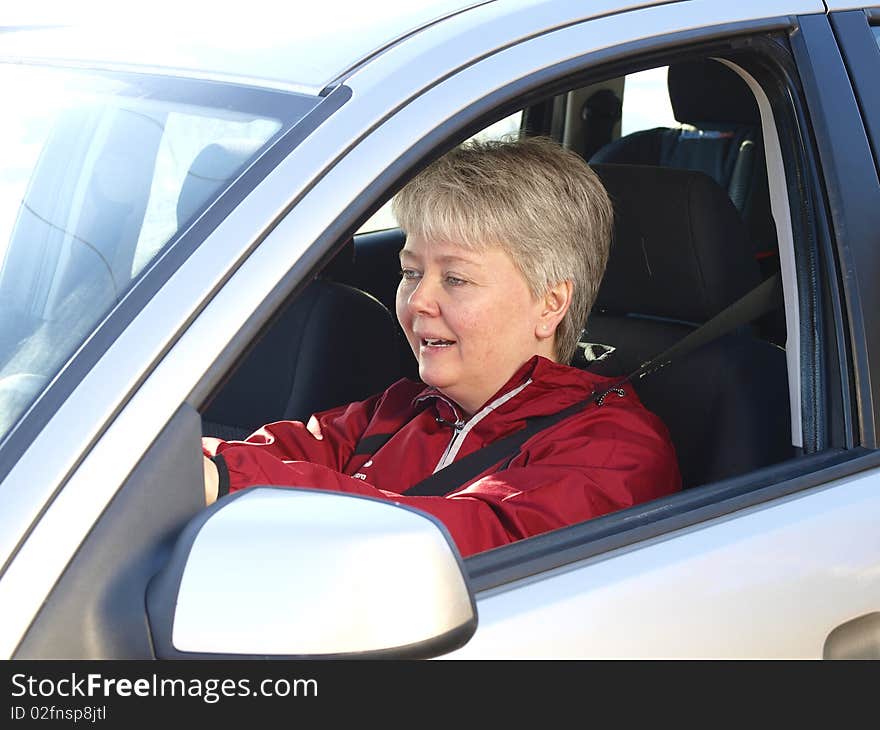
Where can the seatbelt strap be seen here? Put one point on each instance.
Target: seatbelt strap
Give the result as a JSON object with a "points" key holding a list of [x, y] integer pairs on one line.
{"points": [[741, 177], [466, 468], [757, 302]]}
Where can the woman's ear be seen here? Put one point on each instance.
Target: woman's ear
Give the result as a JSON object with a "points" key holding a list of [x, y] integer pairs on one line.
{"points": [[555, 303]]}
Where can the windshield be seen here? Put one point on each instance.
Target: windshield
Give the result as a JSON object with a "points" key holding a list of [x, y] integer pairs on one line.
{"points": [[100, 174]]}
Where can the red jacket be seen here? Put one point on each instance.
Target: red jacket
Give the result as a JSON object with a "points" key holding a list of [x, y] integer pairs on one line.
{"points": [[600, 460]]}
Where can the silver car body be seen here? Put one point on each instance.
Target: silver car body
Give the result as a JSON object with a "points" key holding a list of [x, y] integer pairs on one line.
{"points": [[808, 561]]}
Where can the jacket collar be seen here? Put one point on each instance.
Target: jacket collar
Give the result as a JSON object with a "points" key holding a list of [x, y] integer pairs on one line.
{"points": [[551, 387], [518, 378]]}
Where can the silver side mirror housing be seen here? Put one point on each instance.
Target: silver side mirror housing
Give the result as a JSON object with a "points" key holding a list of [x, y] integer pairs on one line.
{"points": [[297, 573]]}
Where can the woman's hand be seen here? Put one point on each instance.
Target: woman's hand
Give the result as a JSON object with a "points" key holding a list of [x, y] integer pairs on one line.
{"points": [[314, 428], [212, 480], [212, 476]]}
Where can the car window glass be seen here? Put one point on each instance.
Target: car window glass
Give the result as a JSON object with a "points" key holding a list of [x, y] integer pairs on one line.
{"points": [[102, 171], [183, 138], [382, 219], [646, 102]]}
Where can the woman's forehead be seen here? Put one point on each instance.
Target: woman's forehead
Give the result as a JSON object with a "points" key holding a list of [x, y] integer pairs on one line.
{"points": [[446, 249]]}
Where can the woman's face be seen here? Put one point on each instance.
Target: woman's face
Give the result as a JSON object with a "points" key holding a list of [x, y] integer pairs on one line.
{"points": [[469, 318]]}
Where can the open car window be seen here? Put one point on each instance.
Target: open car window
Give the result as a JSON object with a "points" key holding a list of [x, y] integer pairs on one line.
{"points": [[696, 230]]}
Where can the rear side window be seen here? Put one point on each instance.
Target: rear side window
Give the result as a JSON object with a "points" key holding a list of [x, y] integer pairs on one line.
{"points": [[646, 102]]}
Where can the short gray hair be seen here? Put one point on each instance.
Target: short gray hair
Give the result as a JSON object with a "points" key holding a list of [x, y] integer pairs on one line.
{"points": [[541, 203]]}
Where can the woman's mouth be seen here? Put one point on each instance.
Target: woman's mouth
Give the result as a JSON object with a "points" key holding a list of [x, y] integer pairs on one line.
{"points": [[436, 342]]}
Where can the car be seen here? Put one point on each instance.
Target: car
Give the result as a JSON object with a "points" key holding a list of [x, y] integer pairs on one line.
{"points": [[196, 241]]}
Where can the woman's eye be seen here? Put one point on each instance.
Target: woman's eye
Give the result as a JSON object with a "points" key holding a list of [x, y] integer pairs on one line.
{"points": [[409, 274], [455, 281]]}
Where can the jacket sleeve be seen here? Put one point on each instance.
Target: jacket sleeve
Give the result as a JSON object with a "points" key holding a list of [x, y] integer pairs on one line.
{"points": [[560, 478], [341, 429]]}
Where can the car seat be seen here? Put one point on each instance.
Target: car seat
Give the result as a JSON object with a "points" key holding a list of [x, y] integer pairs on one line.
{"points": [[679, 256], [332, 344], [720, 135]]}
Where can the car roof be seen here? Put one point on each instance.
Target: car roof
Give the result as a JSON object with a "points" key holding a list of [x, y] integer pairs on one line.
{"points": [[303, 48]]}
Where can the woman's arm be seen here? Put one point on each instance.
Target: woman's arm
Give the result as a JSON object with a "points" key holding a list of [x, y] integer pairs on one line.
{"points": [[559, 479], [328, 439]]}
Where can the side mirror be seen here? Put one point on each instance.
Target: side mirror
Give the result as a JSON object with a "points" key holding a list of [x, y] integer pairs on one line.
{"points": [[299, 573]]}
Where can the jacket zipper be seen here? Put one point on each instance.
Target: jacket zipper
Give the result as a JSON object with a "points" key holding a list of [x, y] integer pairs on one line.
{"points": [[457, 428], [462, 428]]}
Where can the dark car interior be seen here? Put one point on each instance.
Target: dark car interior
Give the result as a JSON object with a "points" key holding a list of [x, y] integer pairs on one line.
{"points": [[693, 234]]}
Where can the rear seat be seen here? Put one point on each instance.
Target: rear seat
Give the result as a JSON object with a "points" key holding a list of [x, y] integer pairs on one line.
{"points": [[721, 136]]}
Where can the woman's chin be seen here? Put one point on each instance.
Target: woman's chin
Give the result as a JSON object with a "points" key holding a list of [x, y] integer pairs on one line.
{"points": [[433, 376]]}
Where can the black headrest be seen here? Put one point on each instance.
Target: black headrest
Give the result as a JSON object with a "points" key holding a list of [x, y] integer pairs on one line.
{"points": [[213, 168], [707, 92], [680, 249]]}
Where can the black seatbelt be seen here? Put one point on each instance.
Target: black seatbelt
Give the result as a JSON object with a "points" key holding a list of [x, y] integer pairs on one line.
{"points": [[741, 178], [464, 469], [758, 301]]}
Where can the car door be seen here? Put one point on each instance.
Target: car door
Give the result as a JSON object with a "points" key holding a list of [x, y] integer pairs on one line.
{"points": [[768, 564], [764, 579]]}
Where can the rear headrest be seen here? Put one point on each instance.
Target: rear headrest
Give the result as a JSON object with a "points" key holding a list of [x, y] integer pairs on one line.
{"points": [[213, 168], [706, 92], [680, 249]]}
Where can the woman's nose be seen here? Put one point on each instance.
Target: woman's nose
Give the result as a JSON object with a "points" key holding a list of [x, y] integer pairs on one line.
{"points": [[423, 298]]}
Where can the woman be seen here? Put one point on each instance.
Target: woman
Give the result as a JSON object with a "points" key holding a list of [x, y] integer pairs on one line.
{"points": [[506, 246]]}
